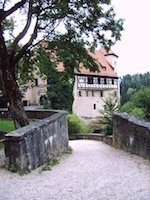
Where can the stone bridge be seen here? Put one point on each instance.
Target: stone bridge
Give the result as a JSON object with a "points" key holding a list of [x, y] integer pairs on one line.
{"points": [[93, 171]]}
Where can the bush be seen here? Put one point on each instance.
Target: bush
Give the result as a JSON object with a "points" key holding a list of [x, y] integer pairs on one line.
{"points": [[127, 107], [75, 125], [95, 126], [139, 105], [46, 104]]}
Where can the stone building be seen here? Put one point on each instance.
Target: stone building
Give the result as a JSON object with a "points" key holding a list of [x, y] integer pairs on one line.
{"points": [[35, 91]]}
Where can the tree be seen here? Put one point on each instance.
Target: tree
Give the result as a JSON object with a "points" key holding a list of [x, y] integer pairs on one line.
{"points": [[60, 87], [131, 84], [60, 92], [110, 107], [139, 105], [80, 20]]}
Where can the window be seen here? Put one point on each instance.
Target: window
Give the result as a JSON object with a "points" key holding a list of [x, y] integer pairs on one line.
{"points": [[104, 68], [112, 81], [79, 93], [101, 93], [87, 93], [94, 106], [36, 82], [99, 80], [105, 81], [90, 79]]}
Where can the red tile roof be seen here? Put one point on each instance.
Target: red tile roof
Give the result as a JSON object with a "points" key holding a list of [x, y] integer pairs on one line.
{"points": [[105, 67]]}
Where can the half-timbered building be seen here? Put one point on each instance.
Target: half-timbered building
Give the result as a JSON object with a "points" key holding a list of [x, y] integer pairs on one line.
{"points": [[92, 87]]}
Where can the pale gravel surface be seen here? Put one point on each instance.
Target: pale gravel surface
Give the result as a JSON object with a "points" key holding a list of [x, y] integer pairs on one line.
{"points": [[94, 171]]}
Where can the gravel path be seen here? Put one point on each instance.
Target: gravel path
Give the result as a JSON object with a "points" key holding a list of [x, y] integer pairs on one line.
{"points": [[94, 171]]}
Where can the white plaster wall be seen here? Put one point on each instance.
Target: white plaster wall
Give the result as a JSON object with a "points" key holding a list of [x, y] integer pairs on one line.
{"points": [[83, 105]]}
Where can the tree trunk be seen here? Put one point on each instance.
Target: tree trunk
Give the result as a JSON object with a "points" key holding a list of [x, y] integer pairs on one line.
{"points": [[11, 88], [14, 97]]}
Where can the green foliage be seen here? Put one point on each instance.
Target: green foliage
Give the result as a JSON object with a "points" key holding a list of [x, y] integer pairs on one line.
{"points": [[138, 112], [46, 167], [49, 166], [60, 92], [54, 162], [80, 20], [66, 25], [23, 172], [26, 68], [110, 107], [60, 88], [45, 61], [1, 145], [131, 84], [8, 25], [127, 107], [139, 105], [13, 168], [46, 104], [75, 125]]}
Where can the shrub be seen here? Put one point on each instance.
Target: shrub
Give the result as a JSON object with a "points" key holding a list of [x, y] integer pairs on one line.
{"points": [[139, 105], [95, 125], [75, 125], [46, 104], [127, 107]]}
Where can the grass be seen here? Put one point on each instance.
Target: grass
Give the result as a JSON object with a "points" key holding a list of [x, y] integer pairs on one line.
{"points": [[1, 145], [6, 125]]}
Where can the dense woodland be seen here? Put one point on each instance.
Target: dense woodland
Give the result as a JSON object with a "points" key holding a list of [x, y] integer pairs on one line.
{"points": [[135, 95], [131, 84]]}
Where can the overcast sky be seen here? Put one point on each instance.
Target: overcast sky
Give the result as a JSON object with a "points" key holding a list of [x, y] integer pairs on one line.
{"points": [[134, 48]]}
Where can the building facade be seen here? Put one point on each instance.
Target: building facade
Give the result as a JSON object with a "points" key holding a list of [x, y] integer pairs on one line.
{"points": [[35, 91], [90, 88]]}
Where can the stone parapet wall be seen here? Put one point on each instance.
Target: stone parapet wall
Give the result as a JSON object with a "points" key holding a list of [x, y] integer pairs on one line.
{"points": [[131, 134], [32, 113], [36, 144], [108, 139]]}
